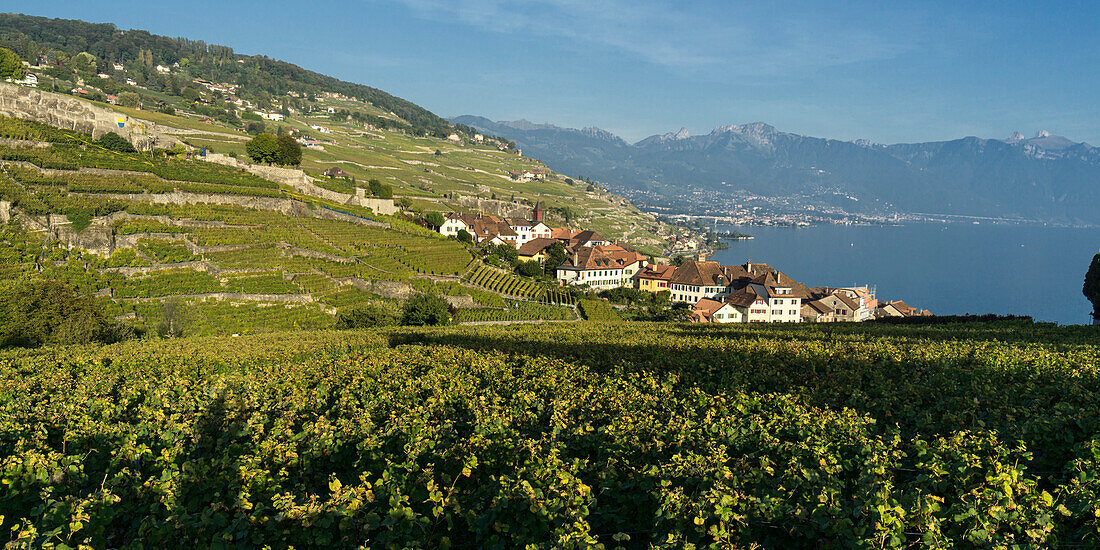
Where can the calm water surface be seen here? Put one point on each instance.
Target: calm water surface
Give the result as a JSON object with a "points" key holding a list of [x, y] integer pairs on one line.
{"points": [[947, 268]]}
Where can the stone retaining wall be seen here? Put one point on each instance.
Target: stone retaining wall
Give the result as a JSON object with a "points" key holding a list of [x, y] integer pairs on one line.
{"points": [[70, 113]]}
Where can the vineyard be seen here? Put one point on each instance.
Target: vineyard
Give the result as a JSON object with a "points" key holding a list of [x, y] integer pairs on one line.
{"points": [[560, 436], [598, 310], [518, 311], [512, 285]]}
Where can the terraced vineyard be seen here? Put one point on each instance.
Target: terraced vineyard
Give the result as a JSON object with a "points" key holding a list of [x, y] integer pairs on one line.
{"points": [[512, 285], [518, 311], [598, 310], [560, 436]]}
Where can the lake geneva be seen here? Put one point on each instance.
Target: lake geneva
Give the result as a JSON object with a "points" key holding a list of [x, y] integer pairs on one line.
{"points": [[947, 268]]}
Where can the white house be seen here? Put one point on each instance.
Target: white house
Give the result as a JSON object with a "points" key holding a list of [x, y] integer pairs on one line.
{"points": [[600, 267], [163, 70], [712, 311]]}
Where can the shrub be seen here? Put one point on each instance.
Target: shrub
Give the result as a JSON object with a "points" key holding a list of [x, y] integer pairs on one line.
{"points": [[365, 316], [45, 311], [529, 268], [114, 142], [425, 309]]}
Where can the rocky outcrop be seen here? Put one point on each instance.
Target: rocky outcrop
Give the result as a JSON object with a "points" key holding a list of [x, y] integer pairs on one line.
{"points": [[500, 208], [396, 290], [5, 211], [70, 113]]}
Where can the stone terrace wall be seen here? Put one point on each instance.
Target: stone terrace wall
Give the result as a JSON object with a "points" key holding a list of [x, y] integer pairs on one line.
{"points": [[299, 180], [70, 113]]}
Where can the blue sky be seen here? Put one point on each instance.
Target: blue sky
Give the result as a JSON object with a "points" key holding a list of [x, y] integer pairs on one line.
{"points": [[886, 71]]}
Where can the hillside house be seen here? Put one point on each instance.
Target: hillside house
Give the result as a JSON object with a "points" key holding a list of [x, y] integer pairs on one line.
{"points": [[163, 69], [600, 267], [712, 311], [527, 230], [536, 250], [335, 172], [654, 278], [29, 79]]}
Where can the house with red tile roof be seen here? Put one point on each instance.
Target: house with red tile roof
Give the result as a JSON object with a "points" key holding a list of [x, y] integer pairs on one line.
{"points": [[713, 311], [600, 267]]}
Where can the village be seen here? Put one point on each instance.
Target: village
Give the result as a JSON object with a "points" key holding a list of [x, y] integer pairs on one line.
{"points": [[748, 293]]}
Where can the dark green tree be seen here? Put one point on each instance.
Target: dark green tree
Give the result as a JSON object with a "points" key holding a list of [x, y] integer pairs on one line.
{"points": [[380, 189], [129, 99], [263, 148], [425, 310], [10, 65], [115, 142], [190, 94], [529, 268], [1092, 285], [465, 236], [365, 316], [435, 219], [555, 256], [38, 311], [290, 152]]}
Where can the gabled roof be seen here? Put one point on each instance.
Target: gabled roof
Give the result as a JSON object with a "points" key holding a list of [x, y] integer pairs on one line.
{"points": [[535, 246], [697, 273], [819, 306], [520, 222], [586, 237], [657, 272], [562, 233], [704, 309], [601, 257], [742, 298], [775, 279]]}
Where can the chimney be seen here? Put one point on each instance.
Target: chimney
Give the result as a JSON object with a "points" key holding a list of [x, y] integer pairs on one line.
{"points": [[748, 266]]}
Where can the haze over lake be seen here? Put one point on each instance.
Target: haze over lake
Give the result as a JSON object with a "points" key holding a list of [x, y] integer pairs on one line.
{"points": [[948, 268]]}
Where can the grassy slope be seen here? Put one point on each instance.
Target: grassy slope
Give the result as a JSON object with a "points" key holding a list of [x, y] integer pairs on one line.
{"points": [[562, 436]]}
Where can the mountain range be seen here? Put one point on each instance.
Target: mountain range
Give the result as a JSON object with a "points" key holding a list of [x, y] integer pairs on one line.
{"points": [[1046, 177]]}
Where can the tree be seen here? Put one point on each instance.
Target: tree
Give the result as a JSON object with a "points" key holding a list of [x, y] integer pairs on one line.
{"points": [[263, 148], [435, 219], [190, 94], [465, 236], [10, 65], [1092, 285], [115, 142], [175, 316], [380, 189], [365, 316], [290, 152], [425, 310], [529, 268], [555, 256], [39, 311], [129, 99]]}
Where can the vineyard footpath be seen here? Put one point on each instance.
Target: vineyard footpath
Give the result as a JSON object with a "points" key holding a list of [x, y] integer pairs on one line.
{"points": [[576, 435]]}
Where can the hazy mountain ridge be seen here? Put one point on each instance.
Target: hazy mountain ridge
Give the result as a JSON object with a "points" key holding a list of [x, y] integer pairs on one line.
{"points": [[1046, 177]]}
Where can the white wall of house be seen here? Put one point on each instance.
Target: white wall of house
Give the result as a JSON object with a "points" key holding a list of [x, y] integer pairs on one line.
{"points": [[600, 279], [691, 294], [452, 226]]}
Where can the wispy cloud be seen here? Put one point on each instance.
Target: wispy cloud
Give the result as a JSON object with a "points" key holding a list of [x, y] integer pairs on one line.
{"points": [[737, 40]]}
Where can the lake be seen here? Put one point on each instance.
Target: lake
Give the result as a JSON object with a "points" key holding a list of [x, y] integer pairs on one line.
{"points": [[947, 268]]}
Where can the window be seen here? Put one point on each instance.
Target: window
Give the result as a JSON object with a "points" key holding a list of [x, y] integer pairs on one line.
{"points": [[777, 312], [779, 302]]}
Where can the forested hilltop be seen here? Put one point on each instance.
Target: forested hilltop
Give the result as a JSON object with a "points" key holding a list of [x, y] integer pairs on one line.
{"points": [[258, 77]]}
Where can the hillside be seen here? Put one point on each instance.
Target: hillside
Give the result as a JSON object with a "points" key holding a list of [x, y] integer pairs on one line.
{"points": [[1047, 178], [572, 436], [212, 97]]}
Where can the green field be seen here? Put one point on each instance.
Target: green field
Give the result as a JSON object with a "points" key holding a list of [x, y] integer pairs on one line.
{"points": [[560, 436]]}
